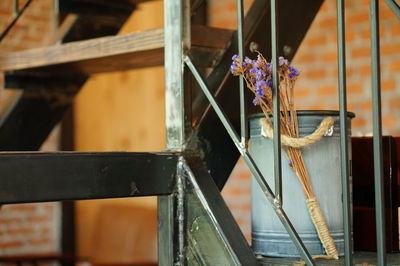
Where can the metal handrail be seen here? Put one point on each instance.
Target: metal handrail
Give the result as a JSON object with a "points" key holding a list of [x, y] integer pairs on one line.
{"points": [[17, 14]]}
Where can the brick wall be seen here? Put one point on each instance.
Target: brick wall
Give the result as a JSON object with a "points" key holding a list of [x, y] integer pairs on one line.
{"points": [[317, 85], [29, 228]]}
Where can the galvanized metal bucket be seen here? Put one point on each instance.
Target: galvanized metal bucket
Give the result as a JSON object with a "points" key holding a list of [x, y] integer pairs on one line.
{"points": [[322, 159]]}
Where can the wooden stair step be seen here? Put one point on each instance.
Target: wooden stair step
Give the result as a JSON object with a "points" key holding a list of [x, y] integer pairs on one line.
{"points": [[107, 54]]}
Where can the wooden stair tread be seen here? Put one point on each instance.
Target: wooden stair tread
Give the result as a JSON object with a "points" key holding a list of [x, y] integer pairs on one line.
{"points": [[106, 54]]}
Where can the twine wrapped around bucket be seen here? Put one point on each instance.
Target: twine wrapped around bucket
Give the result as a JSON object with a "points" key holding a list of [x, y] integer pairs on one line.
{"points": [[314, 209]]}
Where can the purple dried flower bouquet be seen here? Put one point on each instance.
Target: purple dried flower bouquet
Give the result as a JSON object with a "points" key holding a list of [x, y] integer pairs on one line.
{"points": [[258, 77]]}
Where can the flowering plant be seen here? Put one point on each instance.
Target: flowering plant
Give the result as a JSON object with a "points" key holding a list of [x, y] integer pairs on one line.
{"points": [[258, 77]]}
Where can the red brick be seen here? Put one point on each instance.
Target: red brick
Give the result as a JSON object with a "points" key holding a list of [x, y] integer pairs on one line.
{"points": [[394, 103], [318, 106], [20, 231], [360, 17], [366, 105], [39, 241], [23, 207], [388, 85], [360, 52], [390, 48], [349, 36], [316, 73], [45, 230], [354, 88], [327, 90], [234, 191], [389, 121], [6, 13], [38, 218], [394, 65], [246, 206], [365, 70], [11, 220], [330, 57], [302, 92], [316, 41], [231, 7], [395, 29], [11, 244], [328, 23], [350, 107], [358, 122], [245, 175], [365, 2], [305, 58]]}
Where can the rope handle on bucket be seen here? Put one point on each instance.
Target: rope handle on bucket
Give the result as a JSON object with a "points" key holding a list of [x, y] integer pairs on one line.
{"points": [[324, 129]]}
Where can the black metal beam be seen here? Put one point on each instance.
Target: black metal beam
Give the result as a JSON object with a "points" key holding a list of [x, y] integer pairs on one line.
{"points": [[36, 177], [220, 154]]}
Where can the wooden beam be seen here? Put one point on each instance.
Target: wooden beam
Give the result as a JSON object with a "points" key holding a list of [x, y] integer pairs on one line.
{"points": [[106, 54]]}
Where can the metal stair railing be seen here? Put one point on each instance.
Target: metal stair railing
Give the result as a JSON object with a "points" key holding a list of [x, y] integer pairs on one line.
{"points": [[240, 140]]}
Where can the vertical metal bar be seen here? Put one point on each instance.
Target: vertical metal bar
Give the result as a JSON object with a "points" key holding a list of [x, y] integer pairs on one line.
{"points": [[181, 257], [15, 8], [344, 138], [377, 131], [243, 111], [275, 100], [166, 230], [176, 43]]}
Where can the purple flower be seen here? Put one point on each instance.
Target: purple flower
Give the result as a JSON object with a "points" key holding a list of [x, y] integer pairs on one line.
{"points": [[260, 74], [256, 101], [253, 70], [283, 61], [260, 84], [235, 67], [248, 60], [293, 72], [269, 67]]}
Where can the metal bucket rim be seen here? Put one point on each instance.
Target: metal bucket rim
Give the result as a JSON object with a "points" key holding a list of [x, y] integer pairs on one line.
{"points": [[310, 112]]}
